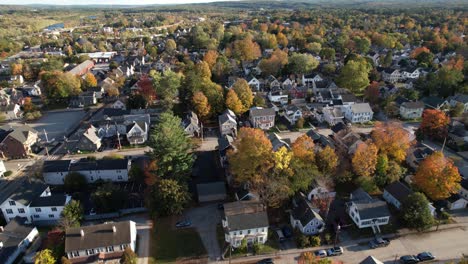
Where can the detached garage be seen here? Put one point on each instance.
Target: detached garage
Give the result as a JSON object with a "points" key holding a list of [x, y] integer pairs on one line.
{"points": [[456, 202], [209, 192]]}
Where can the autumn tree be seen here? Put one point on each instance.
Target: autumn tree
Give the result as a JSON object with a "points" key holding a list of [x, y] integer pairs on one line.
{"points": [[44, 257], [234, 103], [355, 75], [28, 105], [274, 64], [434, 124], [327, 161], [372, 93], [171, 46], [365, 159], [300, 63], [438, 177], [129, 257], [89, 81], [201, 105], [243, 91], [246, 49], [16, 69], [303, 166], [391, 139], [211, 57]]}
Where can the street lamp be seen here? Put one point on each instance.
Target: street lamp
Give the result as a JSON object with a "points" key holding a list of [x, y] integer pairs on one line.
{"points": [[338, 227]]}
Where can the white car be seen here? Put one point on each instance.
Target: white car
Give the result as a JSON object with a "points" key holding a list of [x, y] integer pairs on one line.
{"points": [[320, 253]]}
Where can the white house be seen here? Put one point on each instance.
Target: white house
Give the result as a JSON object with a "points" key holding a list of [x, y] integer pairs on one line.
{"points": [[396, 193], [254, 83], [119, 105], [34, 201], [278, 97], [292, 113], [358, 113], [55, 171], [411, 110], [11, 111], [459, 98], [304, 218], [391, 75], [15, 238], [245, 220], [137, 132], [410, 74], [309, 80], [367, 211], [332, 115], [227, 123], [2, 168], [263, 118], [100, 242]]}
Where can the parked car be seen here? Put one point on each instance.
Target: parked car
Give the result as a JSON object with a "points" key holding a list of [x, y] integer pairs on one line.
{"points": [[280, 235], [379, 242], [409, 259], [287, 232], [320, 253], [183, 223], [424, 256], [335, 251], [266, 261]]}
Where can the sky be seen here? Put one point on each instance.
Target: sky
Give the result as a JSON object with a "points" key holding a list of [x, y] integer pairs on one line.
{"points": [[103, 2]]}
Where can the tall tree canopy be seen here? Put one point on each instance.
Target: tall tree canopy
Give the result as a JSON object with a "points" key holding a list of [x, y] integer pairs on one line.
{"points": [[355, 75], [300, 63], [434, 124], [243, 91], [365, 159], [392, 140], [415, 212]]}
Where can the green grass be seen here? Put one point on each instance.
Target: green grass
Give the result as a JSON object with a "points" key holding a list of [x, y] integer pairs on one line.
{"points": [[169, 244]]}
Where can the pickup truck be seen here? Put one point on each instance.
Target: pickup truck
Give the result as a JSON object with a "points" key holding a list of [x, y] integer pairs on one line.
{"points": [[379, 242]]}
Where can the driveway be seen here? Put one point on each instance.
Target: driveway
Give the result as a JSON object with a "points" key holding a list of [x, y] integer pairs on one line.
{"points": [[204, 220], [144, 226]]}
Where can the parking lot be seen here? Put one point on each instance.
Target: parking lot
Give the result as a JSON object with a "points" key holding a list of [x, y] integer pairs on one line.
{"points": [[57, 123]]}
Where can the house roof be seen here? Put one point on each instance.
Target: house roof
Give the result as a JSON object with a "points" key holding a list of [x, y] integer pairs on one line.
{"points": [[464, 183], [257, 111], [19, 132], [82, 67], [52, 200], [91, 134], [413, 105], [462, 98], [360, 195], [371, 260], [225, 117], [277, 142], [103, 164], [303, 212], [361, 108], [56, 166], [13, 234], [398, 190], [225, 142], [433, 101], [338, 127], [96, 236], [372, 209], [242, 215], [28, 191]]}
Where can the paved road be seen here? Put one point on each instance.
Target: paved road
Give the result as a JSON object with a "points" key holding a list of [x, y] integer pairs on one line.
{"points": [[144, 227]]}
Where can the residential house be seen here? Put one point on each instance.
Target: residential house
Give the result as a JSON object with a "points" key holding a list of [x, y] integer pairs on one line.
{"points": [[32, 90], [417, 154], [245, 220], [456, 202], [278, 97], [410, 73], [33, 200], [277, 142], [101, 242], [82, 68], [391, 75], [371, 260], [15, 238], [17, 141], [332, 115], [137, 132], [304, 218], [320, 191], [191, 125], [2, 168], [347, 141], [464, 188], [434, 102], [319, 139], [224, 144], [273, 83], [292, 113], [11, 111], [459, 98], [253, 82], [411, 110], [358, 113], [309, 80], [55, 171], [89, 140], [396, 193], [366, 211], [119, 105], [85, 99], [288, 84], [227, 123], [263, 118]]}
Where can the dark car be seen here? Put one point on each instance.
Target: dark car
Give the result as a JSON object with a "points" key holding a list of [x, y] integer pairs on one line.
{"points": [[266, 261], [425, 256], [409, 259], [287, 232], [183, 223], [379, 242]]}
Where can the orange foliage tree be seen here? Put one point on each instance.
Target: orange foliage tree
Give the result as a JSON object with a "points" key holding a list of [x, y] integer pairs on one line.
{"points": [[210, 57], [391, 139], [246, 49], [303, 149], [201, 105], [327, 161], [418, 51], [437, 177], [434, 124], [365, 159]]}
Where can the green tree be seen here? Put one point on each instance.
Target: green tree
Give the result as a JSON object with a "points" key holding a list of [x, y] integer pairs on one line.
{"points": [[44, 257], [457, 110], [168, 197], [129, 257], [167, 87], [259, 101], [171, 148], [355, 76], [381, 170], [415, 212], [109, 198], [171, 46], [327, 53], [73, 214], [302, 63], [136, 101], [75, 182]]}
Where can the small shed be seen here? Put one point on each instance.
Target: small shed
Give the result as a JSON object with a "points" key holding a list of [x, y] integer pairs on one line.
{"points": [[210, 192]]}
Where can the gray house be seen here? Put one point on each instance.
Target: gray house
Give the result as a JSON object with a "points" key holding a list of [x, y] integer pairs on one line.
{"points": [[227, 123], [396, 193], [191, 125], [15, 237], [263, 118]]}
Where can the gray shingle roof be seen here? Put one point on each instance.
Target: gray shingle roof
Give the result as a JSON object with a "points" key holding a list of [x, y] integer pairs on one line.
{"points": [[242, 215], [413, 105], [212, 188], [97, 236], [303, 211], [398, 190], [361, 108], [19, 132], [372, 209], [12, 235], [56, 166], [28, 191], [52, 200], [262, 112]]}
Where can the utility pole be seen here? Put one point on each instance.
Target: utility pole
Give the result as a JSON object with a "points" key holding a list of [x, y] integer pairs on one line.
{"points": [[118, 135], [338, 227], [443, 145]]}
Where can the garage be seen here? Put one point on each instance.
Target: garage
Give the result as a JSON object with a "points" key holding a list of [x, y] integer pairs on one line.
{"points": [[210, 192], [456, 202]]}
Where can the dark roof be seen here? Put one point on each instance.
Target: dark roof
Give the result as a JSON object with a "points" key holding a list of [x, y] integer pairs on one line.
{"points": [[97, 236], [56, 166], [103, 164], [302, 211], [360, 194], [371, 260], [262, 112], [413, 105], [211, 188], [28, 191], [13, 234], [242, 215], [464, 184], [47, 201], [18, 132], [225, 142], [398, 190], [400, 100], [433, 101], [372, 209], [338, 127], [114, 112]]}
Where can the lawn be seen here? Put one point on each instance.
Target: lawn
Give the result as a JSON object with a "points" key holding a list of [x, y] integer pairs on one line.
{"points": [[169, 244]]}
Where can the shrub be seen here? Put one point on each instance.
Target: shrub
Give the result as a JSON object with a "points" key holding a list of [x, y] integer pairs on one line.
{"points": [[302, 241], [314, 241], [7, 173], [300, 123]]}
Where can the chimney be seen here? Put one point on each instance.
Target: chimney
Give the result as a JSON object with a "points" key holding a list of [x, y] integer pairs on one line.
{"points": [[82, 232], [114, 229]]}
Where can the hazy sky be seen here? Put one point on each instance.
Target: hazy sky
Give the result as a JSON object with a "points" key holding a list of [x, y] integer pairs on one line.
{"points": [[103, 2]]}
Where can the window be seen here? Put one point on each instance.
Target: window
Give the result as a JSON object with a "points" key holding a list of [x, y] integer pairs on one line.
{"points": [[51, 216], [12, 203], [21, 210], [36, 216], [260, 239], [75, 254], [119, 177], [38, 210], [89, 251], [110, 249], [9, 211], [54, 209], [248, 232], [240, 232]]}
